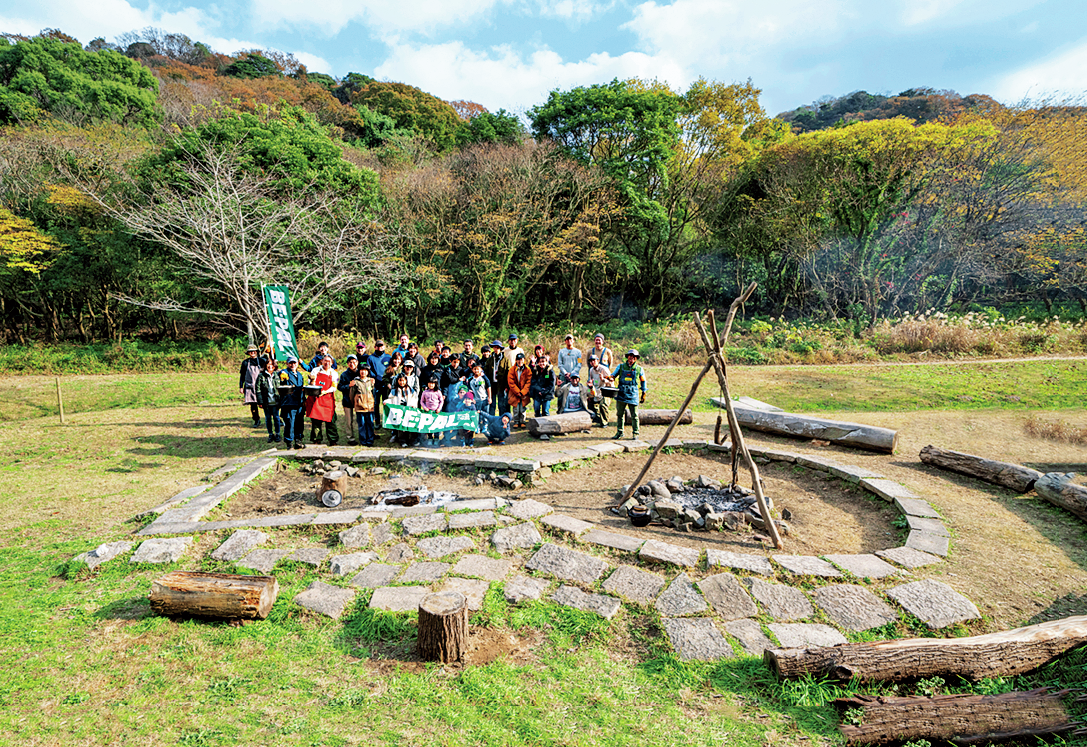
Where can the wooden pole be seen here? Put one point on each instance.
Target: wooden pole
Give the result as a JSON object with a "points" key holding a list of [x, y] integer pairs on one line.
{"points": [[664, 439], [60, 402]]}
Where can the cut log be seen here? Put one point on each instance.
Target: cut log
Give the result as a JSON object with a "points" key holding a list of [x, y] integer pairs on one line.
{"points": [[963, 719], [443, 627], [1005, 474], [663, 417], [218, 595], [1058, 489], [568, 422], [873, 438], [999, 654], [333, 488]]}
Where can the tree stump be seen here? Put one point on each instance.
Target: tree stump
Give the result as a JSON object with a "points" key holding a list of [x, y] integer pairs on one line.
{"points": [[219, 595], [443, 627], [1018, 478], [333, 487]]}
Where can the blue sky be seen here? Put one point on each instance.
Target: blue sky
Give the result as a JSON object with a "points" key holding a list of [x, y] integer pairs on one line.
{"points": [[510, 54]]}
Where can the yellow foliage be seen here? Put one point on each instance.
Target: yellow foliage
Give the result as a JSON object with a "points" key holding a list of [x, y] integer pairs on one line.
{"points": [[22, 245]]}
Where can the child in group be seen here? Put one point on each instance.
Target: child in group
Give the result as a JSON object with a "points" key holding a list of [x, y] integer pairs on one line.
{"points": [[363, 404], [402, 394], [495, 427], [599, 377], [542, 388], [431, 400], [268, 397], [520, 380]]}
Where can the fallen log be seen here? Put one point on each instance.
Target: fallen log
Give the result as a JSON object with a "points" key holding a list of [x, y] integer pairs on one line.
{"points": [[1005, 474], [963, 719], [664, 417], [869, 437], [1058, 489], [443, 627], [218, 595], [568, 422], [999, 654]]}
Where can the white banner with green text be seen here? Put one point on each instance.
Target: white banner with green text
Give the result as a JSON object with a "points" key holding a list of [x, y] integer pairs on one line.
{"points": [[403, 418]]}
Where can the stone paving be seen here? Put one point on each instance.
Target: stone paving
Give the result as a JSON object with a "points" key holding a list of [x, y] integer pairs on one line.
{"points": [[707, 610]]}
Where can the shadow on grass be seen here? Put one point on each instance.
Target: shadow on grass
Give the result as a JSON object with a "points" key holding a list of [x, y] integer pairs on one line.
{"points": [[131, 608]]}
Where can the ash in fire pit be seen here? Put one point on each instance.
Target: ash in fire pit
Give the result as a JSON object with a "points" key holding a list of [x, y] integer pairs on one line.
{"points": [[390, 499], [704, 504]]}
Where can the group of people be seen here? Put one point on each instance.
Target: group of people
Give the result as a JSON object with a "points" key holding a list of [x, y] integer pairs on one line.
{"points": [[499, 383]]}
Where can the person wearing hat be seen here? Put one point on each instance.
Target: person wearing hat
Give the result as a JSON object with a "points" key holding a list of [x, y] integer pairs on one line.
{"points": [[542, 388], [247, 381], [495, 427], [360, 351], [629, 378], [409, 370], [508, 360], [573, 397], [290, 403], [268, 397], [347, 378], [602, 353], [492, 369], [321, 408], [569, 361], [599, 377], [519, 381]]}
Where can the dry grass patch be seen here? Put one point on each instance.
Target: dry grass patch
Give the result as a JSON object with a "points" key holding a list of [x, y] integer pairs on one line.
{"points": [[1056, 430]]}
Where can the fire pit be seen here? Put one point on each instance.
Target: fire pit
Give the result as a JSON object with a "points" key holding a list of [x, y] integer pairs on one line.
{"points": [[703, 503]]}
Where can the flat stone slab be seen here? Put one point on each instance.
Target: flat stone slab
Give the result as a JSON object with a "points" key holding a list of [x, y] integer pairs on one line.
{"points": [[491, 569], [381, 534], [404, 511], [375, 575], [398, 598], [395, 455], [697, 639], [345, 565], [103, 554], [739, 561], [664, 552], [934, 603], [424, 572], [611, 539], [672, 443], [473, 590], [580, 453], [263, 560], [907, 557], [680, 598], [600, 604], [415, 525], [863, 566], [749, 634], [325, 599], [400, 553], [850, 473], [916, 507], [781, 602], [520, 588], [528, 509], [161, 550], [552, 458], [519, 536], [472, 520], [634, 584], [239, 544], [567, 564], [475, 504], [886, 489], [807, 565], [566, 524], [283, 520], [806, 635], [816, 463], [608, 447], [337, 517], [439, 547], [853, 607], [630, 446], [774, 455], [925, 524], [314, 556], [934, 544], [727, 596]]}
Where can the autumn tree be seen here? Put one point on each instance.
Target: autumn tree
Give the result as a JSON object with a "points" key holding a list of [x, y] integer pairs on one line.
{"points": [[412, 109]]}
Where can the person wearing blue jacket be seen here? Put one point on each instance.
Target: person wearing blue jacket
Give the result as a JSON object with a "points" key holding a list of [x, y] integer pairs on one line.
{"points": [[376, 362], [290, 404], [315, 362], [629, 378]]}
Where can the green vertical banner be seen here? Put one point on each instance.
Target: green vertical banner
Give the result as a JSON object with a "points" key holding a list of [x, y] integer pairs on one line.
{"points": [[278, 300]]}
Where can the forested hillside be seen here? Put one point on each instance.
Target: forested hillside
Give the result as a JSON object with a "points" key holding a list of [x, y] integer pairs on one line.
{"points": [[150, 186]]}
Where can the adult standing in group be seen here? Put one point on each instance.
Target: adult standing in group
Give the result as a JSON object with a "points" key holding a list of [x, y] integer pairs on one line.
{"points": [[322, 408], [468, 356], [347, 378], [509, 360], [402, 348], [569, 361], [602, 352], [376, 362], [360, 353], [599, 377], [630, 379], [268, 397], [492, 369], [290, 403], [415, 357], [247, 381], [315, 362], [520, 384], [432, 370]]}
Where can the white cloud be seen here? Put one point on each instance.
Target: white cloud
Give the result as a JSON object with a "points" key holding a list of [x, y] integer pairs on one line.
{"points": [[576, 11], [381, 16], [106, 18], [501, 77], [922, 11], [1060, 75], [313, 63]]}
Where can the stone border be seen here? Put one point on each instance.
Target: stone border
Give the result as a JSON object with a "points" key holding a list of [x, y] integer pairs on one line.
{"points": [[927, 537]]}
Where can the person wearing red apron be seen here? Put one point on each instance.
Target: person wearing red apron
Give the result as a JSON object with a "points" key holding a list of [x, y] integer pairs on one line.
{"points": [[322, 409]]}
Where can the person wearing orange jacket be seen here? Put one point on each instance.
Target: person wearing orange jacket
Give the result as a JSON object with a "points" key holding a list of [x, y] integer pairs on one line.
{"points": [[520, 381]]}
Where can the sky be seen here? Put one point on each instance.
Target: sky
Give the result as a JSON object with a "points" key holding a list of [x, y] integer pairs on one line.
{"points": [[511, 53]]}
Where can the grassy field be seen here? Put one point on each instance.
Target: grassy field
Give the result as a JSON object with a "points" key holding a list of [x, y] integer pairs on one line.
{"points": [[87, 663]]}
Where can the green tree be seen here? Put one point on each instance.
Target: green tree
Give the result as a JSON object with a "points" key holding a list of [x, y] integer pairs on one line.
{"points": [[488, 127], [252, 65], [412, 109], [44, 75]]}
